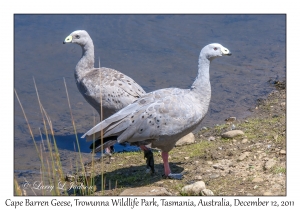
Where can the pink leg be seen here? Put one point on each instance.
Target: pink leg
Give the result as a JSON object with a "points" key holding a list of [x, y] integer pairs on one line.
{"points": [[165, 156]]}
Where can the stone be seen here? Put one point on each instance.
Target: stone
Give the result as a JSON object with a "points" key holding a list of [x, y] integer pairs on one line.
{"points": [[244, 141], [230, 119], [207, 192], [257, 179], [143, 191], [193, 189], [282, 104], [187, 139], [232, 134], [282, 152], [186, 158], [269, 164], [209, 162], [198, 177], [214, 176], [243, 156], [218, 167], [267, 193], [211, 138]]}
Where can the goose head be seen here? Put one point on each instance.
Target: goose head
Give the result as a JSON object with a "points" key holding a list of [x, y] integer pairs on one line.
{"points": [[79, 37], [214, 50]]}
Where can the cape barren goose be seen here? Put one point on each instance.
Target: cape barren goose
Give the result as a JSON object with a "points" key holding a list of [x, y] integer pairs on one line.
{"points": [[163, 116], [114, 88]]}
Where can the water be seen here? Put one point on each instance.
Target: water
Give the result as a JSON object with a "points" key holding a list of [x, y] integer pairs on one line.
{"points": [[157, 51]]}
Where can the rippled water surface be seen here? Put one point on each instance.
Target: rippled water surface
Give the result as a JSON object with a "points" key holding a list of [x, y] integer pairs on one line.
{"points": [[157, 51]]}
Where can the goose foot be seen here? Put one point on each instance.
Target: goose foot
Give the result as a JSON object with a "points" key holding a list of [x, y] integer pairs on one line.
{"points": [[173, 176]]}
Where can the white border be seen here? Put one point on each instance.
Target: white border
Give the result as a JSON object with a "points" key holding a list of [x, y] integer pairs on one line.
{"points": [[154, 6]]}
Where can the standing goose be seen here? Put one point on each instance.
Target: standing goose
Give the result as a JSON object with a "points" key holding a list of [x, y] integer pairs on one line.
{"points": [[115, 88], [163, 116]]}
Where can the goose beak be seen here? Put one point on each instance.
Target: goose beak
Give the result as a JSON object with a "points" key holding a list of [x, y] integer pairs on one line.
{"points": [[68, 39], [225, 51]]}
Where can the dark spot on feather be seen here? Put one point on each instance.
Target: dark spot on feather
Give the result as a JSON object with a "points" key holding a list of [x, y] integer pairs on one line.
{"points": [[132, 116], [120, 84], [157, 126], [150, 121], [129, 84], [132, 121], [141, 129], [157, 120], [142, 116]]}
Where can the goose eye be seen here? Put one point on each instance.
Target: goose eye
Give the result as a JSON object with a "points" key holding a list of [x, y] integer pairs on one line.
{"points": [[215, 48], [77, 36]]}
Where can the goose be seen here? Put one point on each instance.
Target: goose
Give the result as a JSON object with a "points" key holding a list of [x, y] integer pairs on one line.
{"points": [[115, 89], [163, 116]]}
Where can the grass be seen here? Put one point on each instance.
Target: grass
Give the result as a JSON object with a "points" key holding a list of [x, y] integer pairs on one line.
{"points": [[51, 167]]}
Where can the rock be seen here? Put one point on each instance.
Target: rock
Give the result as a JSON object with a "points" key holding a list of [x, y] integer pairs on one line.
{"points": [[214, 176], [187, 139], [211, 138], [193, 189], [160, 183], [196, 162], [243, 156], [232, 134], [282, 152], [207, 192], [244, 141], [209, 162], [143, 191], [198, 177], [267, 193], [186, 158], [282, 104], [231, 119], [257, 179], [270, 163], [218, 167]]}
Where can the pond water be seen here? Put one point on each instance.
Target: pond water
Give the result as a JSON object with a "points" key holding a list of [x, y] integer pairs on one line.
{"points": [[157, 51]]}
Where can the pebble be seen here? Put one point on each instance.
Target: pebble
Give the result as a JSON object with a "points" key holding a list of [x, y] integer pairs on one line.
{"points": [[207, 192], [196, 162], [282, 152], [257, 179], [270, 163], [193, 189], [232, 134], [209, 162], [186, 158], [267, 193], [198, 177], [244, 141], [243, 156], [282, 104], [230, 119], [211, 138], [217, 167], [214, 176]]}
